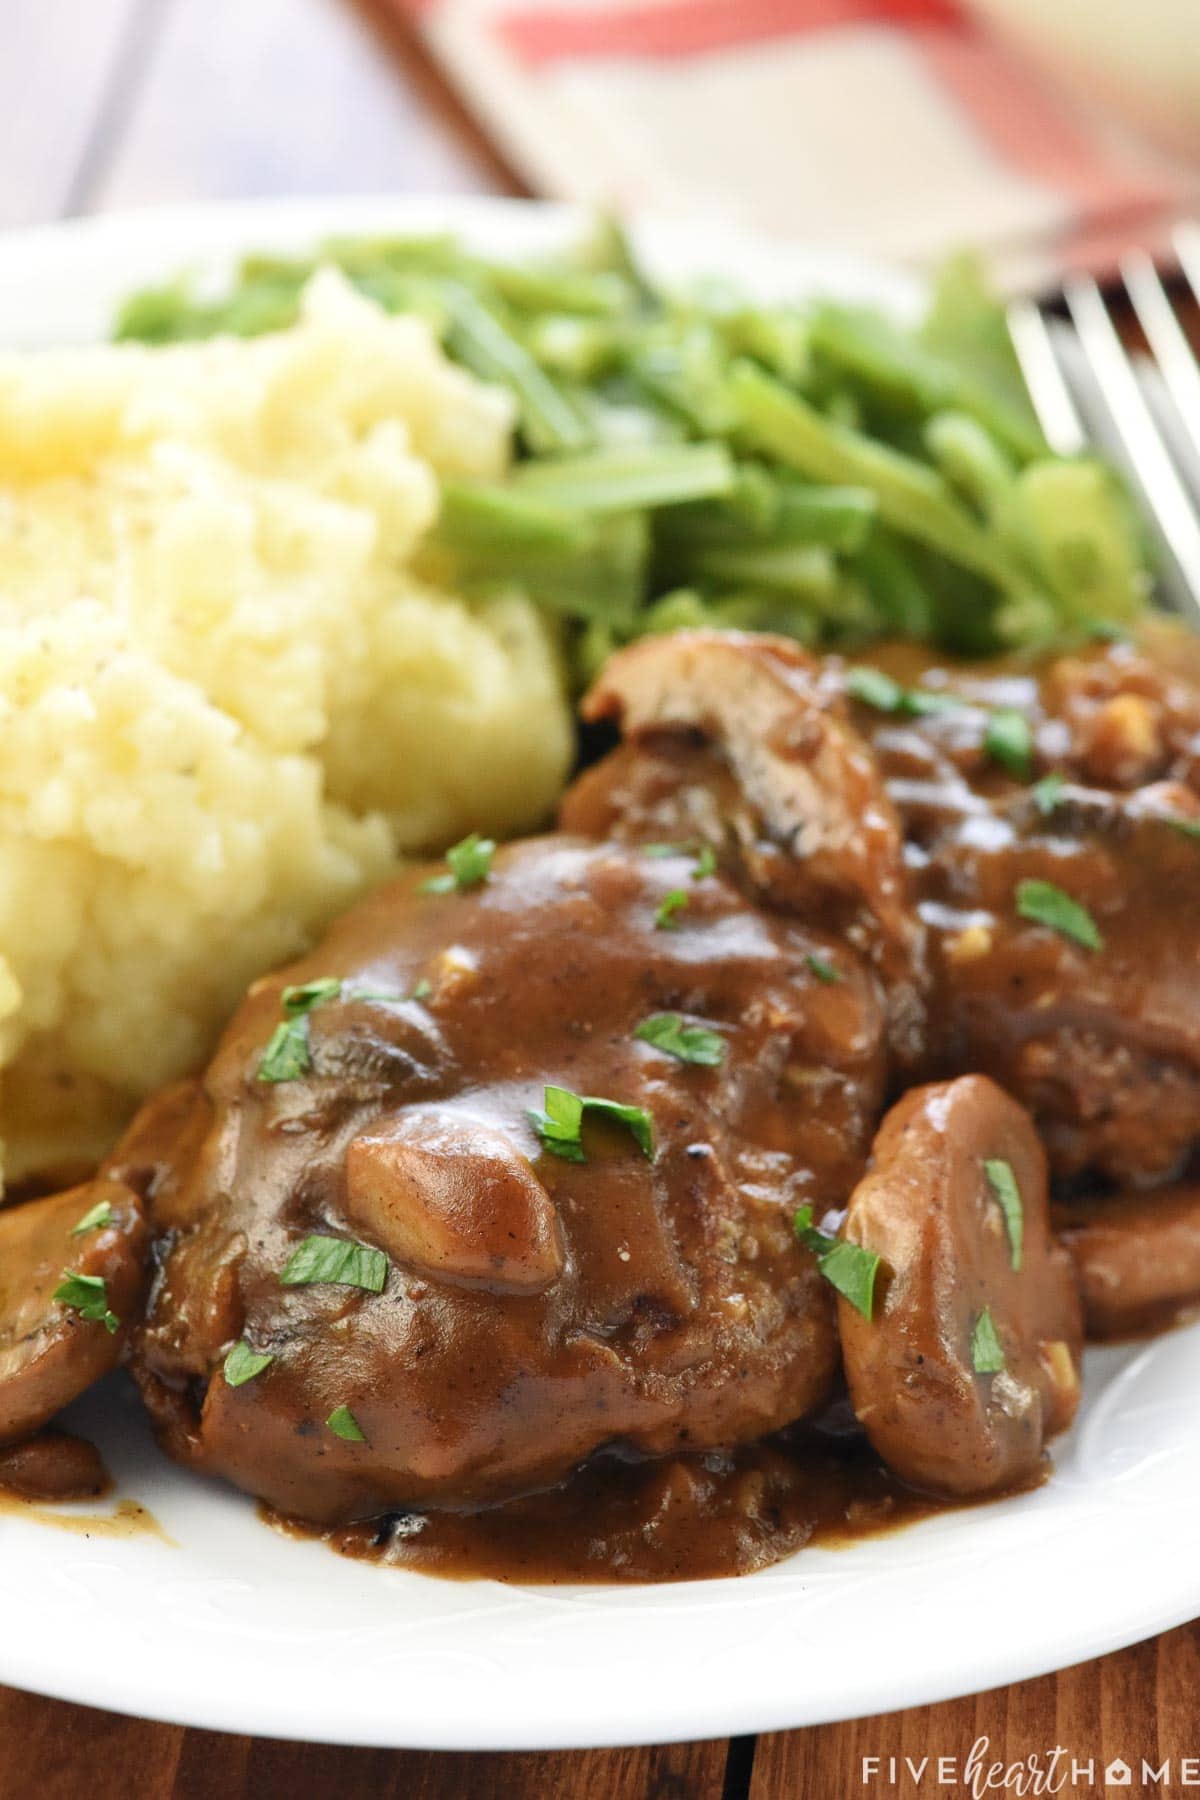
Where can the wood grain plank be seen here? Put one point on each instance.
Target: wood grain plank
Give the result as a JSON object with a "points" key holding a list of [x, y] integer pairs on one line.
{"points": [[51, 1749], [673, 1772], [57, 61], [1139, 1704], [285, 97]]}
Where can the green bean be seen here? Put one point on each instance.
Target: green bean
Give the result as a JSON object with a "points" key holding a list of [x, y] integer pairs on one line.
{"points": [[912, 497], [640, 476], [549, 420]]}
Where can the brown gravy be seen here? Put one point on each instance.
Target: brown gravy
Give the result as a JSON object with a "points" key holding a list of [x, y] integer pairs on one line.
{"points": [[57, 1468], [128, 1519], [686, 1519], [54, 1465]]}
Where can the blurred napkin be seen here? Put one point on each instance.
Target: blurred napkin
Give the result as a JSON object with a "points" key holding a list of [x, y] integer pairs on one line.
{"points": [[894, 127]]}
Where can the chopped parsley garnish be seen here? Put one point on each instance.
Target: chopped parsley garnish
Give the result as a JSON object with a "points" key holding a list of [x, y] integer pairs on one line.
{"points": [[1008, 1196], [847, 1267], [95, 1219], [88, 1296], [873, 688], [243, 1364], [664, 917], [670, 1033], [987, 1352], [822, 968], [299, 1000], [705, 855], [389, 996], [1008, 740], [286, 1056], [1047, 793], [560, 1125], [1044, 904], [1189, 828], [469, 865], [920, 703], [336, 1260], [343, 1424]]}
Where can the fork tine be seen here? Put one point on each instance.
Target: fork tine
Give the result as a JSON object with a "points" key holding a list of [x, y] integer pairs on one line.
{"points": [[1187, 249], [1174, 354], [1147, 456], [1056, 411]]}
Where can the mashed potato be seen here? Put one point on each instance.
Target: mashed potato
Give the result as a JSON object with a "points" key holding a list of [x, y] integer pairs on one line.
{"points": [[226, 705]]}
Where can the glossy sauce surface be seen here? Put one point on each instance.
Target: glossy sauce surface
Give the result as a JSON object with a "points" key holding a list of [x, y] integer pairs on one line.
{"points": [[651, 1303], [599, 1366], [681, 1519], [1100, 1040]]}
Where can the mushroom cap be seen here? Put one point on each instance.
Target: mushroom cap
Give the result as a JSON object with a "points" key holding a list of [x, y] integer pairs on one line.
{"points": [[49, 1353], [930, 1208]]}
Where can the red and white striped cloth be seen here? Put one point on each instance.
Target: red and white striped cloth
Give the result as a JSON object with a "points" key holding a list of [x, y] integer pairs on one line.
{"points": [[895, 127]]}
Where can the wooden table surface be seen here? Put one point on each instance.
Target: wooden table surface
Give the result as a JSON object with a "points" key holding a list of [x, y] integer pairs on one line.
{"points": [[109, 103]]}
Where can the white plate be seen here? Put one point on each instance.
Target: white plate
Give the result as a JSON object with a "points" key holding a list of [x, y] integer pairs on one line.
{"points": [[234, 1627]]}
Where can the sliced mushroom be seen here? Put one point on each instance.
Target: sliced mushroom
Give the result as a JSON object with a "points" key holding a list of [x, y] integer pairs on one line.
{"points": [[457, 1201], [971, 1359], [52, 1466], [788, 743], [1137, 1257], [49, 1350]]}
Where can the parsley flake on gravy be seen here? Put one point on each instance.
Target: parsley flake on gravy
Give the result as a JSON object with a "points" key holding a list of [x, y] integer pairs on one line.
{"points": [[95, 1219], [672, 903], [1003, 1184], [987, 1352], [339, 1261], [299, 1000], [469, 865], [559, 1125], [847, 1267], [704, 854], [343, 1424], [1008, 740], [88, 1296], [822, 968], [389, 996], [671, 1033], [243, 1364], [1044, 904], [1047, 793], [287, 1055], [871, 687]]}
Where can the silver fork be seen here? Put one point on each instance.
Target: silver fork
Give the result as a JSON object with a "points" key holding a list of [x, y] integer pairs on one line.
{"points": [[1087, 388]]}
